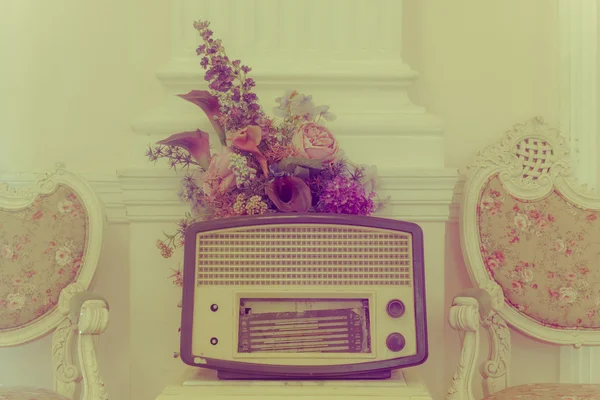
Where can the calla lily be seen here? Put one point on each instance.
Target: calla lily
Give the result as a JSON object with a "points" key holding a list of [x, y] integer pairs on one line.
{"points": [[196, 143], [248, 139], [289, 194], [211, 107]]}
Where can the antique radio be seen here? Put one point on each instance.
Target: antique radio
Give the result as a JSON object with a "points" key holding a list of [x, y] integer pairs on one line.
{"points": [[304, 296]]}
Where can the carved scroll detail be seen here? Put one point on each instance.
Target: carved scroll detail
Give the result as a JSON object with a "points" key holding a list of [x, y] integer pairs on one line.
{"points": [[93, 321], [464, 318], [66, 372], [495, 369]]}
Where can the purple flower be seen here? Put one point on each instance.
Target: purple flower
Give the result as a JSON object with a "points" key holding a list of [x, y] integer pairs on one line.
{"points": [[249, 83], [249, 97], [195, 142], [289, 194], [236, 95], [211, 107], [345, 196], [206, 34]]}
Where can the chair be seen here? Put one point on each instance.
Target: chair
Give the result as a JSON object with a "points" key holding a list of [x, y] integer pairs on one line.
{"points": [[50, 241], [529, 237]]}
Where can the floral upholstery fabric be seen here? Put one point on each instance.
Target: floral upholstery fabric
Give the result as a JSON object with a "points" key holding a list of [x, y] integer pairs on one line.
{"points": [[41, 250], [548, 391], [544, 254], [22, 393]]}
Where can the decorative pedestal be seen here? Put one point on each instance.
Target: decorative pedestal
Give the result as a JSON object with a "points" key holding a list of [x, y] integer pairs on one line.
{"points": [[403, 385]]}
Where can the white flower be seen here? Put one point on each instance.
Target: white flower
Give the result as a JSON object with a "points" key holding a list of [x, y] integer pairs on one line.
{"points": [[322, 112], [568, 295], [527, 275], [65, 206], [559, 245], [15, 301], [27, 288], [301, 105], [63, 256], [597, 302], [582, 284], [282, 109], [7, 251], [522, 221]]}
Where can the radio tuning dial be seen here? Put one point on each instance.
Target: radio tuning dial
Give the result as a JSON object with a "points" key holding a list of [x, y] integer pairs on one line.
{"points": [[395, 342], [395, 308]]}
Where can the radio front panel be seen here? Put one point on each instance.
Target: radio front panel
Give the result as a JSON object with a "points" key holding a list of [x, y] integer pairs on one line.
{"points": [[302, 294], [224, 325]]}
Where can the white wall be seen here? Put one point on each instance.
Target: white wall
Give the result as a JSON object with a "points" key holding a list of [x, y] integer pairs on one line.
{"points": [[485, 66], [74, 74]]}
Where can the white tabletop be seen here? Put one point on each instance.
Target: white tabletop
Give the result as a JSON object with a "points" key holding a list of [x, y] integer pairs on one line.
{"points": [[203, 384]]}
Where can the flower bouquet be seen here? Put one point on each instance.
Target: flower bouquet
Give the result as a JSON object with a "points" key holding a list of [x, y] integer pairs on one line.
{"points": [[293, 164]]}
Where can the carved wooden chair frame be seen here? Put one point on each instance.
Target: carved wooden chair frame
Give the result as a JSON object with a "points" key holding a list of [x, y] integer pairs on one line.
{"points": [[525, 178], [78, 313]]}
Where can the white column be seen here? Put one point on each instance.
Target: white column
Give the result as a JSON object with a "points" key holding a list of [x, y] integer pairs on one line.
{"points": [[345, 53], [579, 119]]}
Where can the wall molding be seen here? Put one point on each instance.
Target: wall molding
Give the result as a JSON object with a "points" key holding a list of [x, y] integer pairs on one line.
{"points": [[151, 194], [578, 51], [356, 69]]}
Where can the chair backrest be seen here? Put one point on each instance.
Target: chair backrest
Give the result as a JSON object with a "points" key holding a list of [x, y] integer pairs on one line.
{"points": [[50, 241], [530, 236]]}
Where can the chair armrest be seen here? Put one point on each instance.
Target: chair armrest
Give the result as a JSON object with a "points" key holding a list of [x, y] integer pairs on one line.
{"points": [[483, 298], [90, 312], [77, 301], [468, 309]]}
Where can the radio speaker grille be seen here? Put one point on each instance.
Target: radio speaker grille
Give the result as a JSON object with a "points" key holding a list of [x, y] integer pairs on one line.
{"points": [[304, 255]]}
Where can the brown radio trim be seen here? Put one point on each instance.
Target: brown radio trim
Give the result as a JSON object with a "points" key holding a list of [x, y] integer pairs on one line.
{"points": [[245, 370]]}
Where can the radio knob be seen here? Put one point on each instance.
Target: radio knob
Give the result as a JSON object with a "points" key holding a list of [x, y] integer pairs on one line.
{"points": [[395, 308], [395, 342]]}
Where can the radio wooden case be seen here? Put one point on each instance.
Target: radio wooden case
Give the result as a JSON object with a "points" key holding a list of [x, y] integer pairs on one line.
{"points": [[303, 296]]}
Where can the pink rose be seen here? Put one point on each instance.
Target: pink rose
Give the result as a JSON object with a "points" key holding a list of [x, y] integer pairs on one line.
{"points": [[542, 224], [493, 263], [219, 178], [522, 222], [38, 215], [315, 142]]}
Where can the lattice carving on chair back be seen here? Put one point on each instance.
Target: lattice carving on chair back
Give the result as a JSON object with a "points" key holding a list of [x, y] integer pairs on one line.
{"points": [[526, 153], [536, 156]]}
